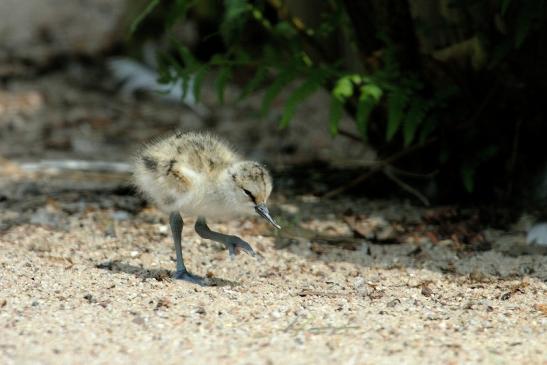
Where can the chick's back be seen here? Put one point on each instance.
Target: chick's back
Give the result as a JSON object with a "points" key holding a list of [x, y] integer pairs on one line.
{"points": [[170, 169]]}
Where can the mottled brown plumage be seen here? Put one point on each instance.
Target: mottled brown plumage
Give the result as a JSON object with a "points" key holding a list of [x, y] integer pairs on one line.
{"points": [[196, 174]]}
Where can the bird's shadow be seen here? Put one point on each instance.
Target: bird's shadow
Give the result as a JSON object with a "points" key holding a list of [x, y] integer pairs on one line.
{"points": [[158, 274]]}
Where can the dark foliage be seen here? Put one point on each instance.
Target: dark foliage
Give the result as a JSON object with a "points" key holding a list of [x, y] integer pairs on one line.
{"points": [[456, 84]]}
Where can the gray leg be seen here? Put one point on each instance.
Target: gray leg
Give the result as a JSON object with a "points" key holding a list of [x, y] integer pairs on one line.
{"points": [[176, 223], [231, 242]]}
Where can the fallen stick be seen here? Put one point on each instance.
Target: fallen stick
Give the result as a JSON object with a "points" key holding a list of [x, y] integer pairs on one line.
{"points": [[75, 165]]}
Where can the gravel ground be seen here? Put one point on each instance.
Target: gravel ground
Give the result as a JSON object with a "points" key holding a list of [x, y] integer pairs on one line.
{"points": [[85, 271], [84, 296]]}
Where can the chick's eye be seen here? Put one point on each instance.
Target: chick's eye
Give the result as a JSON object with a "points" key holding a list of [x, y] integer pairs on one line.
{"points": [[249, 194]]}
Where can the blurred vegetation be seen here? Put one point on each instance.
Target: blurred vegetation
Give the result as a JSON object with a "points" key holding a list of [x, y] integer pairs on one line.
{"points": [[451, 86]]}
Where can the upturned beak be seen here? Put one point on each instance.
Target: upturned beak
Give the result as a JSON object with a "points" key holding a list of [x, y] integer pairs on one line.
{"points": [[262, 211]]}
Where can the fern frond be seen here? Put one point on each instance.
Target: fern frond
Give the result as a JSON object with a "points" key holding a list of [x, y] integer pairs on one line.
{"points": [[180, 72], [235, 16], [468, 177], [283, 79], [254, 83], [396, 103], [198, 81], [186, 56], [343, 88], [302, 92], [147, 10], [177, 12], [504, 6], [220, 84], [369, 98], [525, 19], [429, 126], [413, 118]]}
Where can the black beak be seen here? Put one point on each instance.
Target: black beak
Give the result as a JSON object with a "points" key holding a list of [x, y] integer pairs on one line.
{"points": [[262, 210]]}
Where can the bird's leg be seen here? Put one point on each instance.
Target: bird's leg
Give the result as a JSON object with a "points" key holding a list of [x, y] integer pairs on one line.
{"points": [[231, 242], [176, 223]]}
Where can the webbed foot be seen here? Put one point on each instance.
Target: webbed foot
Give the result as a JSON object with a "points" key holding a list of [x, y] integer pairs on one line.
{"points": [[191, 278], [234, 244]]}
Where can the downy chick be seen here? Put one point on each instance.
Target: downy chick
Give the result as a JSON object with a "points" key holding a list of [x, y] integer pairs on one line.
{"points": [[196, 174]]}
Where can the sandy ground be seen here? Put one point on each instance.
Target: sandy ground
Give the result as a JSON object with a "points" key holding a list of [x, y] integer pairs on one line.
{"points": [[82, 295], [85, 272]]}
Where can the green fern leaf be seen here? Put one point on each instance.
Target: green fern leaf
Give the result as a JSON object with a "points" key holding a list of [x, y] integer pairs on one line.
{"points": [[147, 10], [415, 116], [177, 12], [396, 103], [468, 177], [186, 56], [524, 24], [343, 88], [256, 81], [181, 74], [282, 80], [427, 129], [303, 91], [220, 84], [198, 81], [336, 112], [369, 98], [165, 73], [234, 9], [504, 6], [235, 16]]}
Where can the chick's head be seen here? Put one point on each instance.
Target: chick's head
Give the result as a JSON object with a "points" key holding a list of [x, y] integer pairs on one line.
{"points": [[254, 183]]}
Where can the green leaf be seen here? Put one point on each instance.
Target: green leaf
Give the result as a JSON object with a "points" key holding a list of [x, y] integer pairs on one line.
{"points": [[468, 178], [147, 10], [185, 81], [343, 88], [282, 80], [524, 22], [165, 73], [336, 112], [284, 29], [396, 103], [234, 9], [504, 6], [224, 75], [235, 16], [369, 98], [427, 129], [415, 116], [181, 74], [186, 56], [177, 12], [254, 83], [198, 81], [303, 91], [487, 153]]}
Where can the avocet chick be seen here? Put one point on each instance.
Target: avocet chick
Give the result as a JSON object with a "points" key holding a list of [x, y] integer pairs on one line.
{"points": [[195, 174]]}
